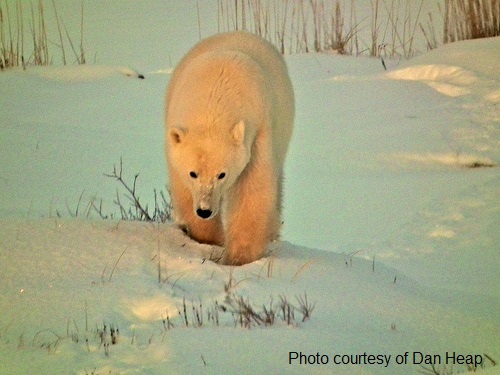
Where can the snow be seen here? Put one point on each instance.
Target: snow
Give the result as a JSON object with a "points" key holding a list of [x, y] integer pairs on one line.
{"points": [[74, 276], [388, 230]]}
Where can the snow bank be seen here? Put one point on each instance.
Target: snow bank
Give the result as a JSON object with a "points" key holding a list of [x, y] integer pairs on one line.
{"points": [[67, 284]]}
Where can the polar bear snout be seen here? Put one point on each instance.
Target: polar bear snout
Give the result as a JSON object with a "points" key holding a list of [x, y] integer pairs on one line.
{"points": [[204, 214], [206, 201]]}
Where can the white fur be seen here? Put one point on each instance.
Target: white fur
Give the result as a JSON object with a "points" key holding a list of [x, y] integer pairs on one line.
{"points": [[229, 119]]}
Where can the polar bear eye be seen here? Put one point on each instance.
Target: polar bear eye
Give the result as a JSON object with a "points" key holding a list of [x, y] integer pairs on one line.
{"points": [[221, 176], [193, 174]]}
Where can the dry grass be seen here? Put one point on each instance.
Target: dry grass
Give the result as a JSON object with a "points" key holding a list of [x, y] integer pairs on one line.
{"points": [[289, 24], [391, 29], [471, 19], [24, 35], [434, 369], [322, 25]]}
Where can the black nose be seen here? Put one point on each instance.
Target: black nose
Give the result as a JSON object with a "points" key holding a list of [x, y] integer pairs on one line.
{"points": [[204, 214]]}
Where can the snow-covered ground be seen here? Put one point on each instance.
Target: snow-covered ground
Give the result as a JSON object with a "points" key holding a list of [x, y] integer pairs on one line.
{"points": [[388, 231]]}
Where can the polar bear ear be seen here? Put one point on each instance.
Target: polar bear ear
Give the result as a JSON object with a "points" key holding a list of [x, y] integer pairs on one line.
{"points": [[176, 134], [239, 132]]}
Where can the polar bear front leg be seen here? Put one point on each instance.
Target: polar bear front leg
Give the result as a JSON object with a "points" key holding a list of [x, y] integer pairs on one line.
{"points": [[203, 231], [252, 217]]}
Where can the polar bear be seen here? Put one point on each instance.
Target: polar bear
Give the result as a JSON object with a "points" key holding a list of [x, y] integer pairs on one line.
{"points": [[229, 119]]}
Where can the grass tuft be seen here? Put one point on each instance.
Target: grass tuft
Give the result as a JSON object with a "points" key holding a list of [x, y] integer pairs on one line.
{"points": [[131, 208], [162, 211], [242, 311]]}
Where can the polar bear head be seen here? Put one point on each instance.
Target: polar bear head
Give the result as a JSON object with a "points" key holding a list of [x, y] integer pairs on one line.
{"points": [[209, 165]]}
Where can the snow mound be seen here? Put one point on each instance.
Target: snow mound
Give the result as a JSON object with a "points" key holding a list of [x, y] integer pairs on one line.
{"points": [[165, 71], [493, 96], [82, 73], [439, 159], [445, 79], [450, 74], [480, 56]]}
